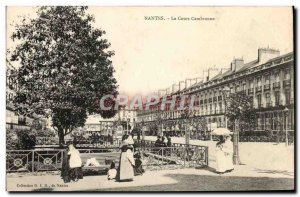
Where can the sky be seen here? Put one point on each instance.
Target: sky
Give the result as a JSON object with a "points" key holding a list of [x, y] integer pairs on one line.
{"points": [[153, 54]]}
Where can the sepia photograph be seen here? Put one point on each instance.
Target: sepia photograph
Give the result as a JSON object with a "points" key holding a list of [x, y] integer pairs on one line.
{"points": [[150, 99]]}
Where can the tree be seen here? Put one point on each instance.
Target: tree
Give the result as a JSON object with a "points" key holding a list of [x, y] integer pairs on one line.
{"points": [[199, 124], [241, 115], [65, 67]]}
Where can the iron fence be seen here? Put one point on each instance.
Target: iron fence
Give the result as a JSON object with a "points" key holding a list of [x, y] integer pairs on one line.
{"points": [[178, 155], [266, 139], [153, 158], [33, 160]]}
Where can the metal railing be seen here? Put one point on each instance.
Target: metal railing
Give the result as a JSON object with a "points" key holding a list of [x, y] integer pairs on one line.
{"points": [[180, 155], [153, 158], [287, 83], [33, 160], [82, 143]]}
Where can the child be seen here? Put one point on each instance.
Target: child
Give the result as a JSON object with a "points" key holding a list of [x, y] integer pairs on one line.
{"points": [[138, 168], [112, 172]]}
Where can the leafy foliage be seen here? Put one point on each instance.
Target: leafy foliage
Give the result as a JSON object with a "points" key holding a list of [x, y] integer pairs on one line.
{"points": [[65, 67], [200, 124], [239, 107], [20, 139]]}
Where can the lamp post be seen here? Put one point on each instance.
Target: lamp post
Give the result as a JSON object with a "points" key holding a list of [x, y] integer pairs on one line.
{"points": [[143, 130], [286, 113]]}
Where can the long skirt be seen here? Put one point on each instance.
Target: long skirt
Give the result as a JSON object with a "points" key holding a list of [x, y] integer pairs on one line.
{"points": [[229, 162], [125, 169], [220, 161], [65, 170], [76, 173]]}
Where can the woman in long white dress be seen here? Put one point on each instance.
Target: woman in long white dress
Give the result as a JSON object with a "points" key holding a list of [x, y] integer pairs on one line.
{"points": [[220, 156], [228, 151], [125, 169], [75, 163]]}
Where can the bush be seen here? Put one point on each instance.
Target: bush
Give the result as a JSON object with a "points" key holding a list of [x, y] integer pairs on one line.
{"points": [[19, 139]]}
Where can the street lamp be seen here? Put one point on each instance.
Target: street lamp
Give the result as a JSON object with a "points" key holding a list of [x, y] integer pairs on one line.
{"points": [[286, 113], [143, 130]]}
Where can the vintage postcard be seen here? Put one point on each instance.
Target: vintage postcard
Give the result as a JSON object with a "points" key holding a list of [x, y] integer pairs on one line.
{"points": [[150, 99]]}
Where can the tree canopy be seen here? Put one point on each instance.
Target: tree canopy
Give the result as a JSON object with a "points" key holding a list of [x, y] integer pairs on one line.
{"points": [[65, 66], [240, 107]]}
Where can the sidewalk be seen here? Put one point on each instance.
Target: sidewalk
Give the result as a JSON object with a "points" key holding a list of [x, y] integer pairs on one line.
{"points": [[242, 178], [261, 155]]}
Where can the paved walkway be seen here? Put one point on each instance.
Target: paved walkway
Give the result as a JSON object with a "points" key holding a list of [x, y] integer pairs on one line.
{"points": [[242, 178], [260, 155], [267, 166]]}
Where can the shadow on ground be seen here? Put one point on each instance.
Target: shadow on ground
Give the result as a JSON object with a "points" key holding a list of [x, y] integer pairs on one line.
{"points": [[215, 183], [281, 172]]}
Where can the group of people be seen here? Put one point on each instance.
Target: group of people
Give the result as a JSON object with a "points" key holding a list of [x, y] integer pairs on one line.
{"points": [[130, 163], [162, 142], [224, 155], [71, 165]]}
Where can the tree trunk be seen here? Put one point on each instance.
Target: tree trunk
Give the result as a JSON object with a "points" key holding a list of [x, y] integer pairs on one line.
{"points": [[61, 137], [236, 156]]}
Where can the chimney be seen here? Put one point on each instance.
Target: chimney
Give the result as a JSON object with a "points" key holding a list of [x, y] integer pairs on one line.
{"points": [[188, 83], [168, 91], [198, 79], [212, 72], [223, 70], [193, 81], [236, 64], [265, 54], [181, 85], [174, 88], [161, 92], [205, 76]]}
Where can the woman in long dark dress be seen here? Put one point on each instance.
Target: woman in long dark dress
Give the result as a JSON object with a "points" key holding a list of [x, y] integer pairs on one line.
{"points": [[65, 170]]}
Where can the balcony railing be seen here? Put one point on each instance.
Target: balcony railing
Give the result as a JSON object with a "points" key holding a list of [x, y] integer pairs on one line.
{"points": [[276, 85], [250, 90], [267, 87], [260, 105], [258, 89], [269, 104], [287, 83]]}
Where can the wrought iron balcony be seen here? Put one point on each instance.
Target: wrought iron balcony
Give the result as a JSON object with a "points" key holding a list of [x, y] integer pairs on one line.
{"points": [[287, 83], [278, 103], [250, 90], [260, 105], [269, 104], [258, 89], [276, 85], [267, 87]]}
